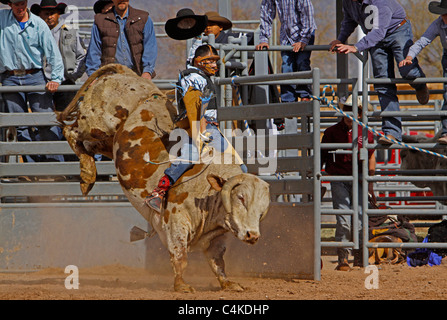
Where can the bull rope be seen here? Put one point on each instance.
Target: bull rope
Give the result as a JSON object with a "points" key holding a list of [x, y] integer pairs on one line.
{"points": [[331, 104]]}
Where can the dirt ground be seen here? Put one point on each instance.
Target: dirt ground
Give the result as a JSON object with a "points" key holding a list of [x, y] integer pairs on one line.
{"points": [[117, 282]]}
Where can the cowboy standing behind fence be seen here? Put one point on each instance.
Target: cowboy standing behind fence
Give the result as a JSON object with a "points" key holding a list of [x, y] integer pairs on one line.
{"points": [[26, 42], [70, 45], [297, 30], [437, 28], [123, 35], [341, 165], [388, 38]]}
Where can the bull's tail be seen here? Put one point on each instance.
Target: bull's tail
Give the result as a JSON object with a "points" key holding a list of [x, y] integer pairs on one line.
{"points": [[71, 111]]}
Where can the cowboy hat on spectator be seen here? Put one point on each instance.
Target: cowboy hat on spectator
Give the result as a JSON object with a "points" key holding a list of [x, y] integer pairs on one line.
{"points": [[100, 4], [185, 25], [438, 7], [48, 4], [213, 16], [347, 102], [10, 1]]}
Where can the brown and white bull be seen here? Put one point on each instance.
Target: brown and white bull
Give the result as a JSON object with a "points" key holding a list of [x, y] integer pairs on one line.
{"points": [[417, 160], [127, 118]]}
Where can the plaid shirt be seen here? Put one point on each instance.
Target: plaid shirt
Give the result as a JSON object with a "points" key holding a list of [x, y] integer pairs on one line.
{"points": [[296, 17]]}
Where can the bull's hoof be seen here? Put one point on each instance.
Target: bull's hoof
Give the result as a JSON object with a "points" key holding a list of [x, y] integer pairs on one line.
{"points": [[184, 288], [232, 286]]}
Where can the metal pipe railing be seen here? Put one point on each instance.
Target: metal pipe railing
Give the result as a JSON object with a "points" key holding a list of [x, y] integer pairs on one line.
{"points": [[313, 77]]}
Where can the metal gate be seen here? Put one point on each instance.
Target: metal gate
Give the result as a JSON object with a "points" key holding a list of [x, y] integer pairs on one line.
{"points": [[45, 221]]}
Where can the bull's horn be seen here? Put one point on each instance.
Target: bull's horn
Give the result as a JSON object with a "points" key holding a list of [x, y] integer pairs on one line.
{"points": [[226, 191]]}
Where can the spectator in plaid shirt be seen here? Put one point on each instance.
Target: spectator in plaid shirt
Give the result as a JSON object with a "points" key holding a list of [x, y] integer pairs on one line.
{"points": [[297, 30]]}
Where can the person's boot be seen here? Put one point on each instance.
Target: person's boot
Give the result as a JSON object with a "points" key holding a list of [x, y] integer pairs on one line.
{"points": [[423, 94], [155, 200], [343, 264], [443, 139]]}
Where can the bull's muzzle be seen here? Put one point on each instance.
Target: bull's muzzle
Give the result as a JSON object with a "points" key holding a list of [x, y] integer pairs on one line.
{"points": [[251, 237]]}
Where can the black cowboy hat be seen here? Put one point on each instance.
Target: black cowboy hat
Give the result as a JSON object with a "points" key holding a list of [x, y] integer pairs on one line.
{"points": [[438, 7], [182, 31], [100, 4], [9, 1], [48, 4]]}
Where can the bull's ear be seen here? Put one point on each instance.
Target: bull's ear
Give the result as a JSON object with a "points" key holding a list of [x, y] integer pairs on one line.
{"points": [[216, 182]]}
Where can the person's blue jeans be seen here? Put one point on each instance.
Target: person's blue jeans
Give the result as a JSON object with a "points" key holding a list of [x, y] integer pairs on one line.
{"points": [[444, 105], [293, 62], [38, 102], [394, 47], [190, 153], [342, 199]]}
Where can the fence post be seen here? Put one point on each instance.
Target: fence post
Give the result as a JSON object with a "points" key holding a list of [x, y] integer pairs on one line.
{"points": [[225, 8], [365, 173], [316, 173], [355, 169], [342, 59], [261, 91]]}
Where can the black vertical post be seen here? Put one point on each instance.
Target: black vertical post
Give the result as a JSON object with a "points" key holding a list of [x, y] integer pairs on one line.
{"points": [[342, 59]]}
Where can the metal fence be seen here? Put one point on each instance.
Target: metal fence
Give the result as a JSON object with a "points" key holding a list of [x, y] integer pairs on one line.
{"points": [[388, 179], [296, 178], [416, 119]]}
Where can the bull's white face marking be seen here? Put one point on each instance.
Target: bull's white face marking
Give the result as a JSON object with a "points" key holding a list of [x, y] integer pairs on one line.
{"points": [[147, 157]]}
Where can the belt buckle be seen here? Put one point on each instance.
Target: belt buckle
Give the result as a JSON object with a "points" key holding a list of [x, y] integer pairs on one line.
{"points": [[19, 73]]}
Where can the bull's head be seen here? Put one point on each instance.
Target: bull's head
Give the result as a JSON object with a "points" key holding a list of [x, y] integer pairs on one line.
{"points": [[246, 200]]}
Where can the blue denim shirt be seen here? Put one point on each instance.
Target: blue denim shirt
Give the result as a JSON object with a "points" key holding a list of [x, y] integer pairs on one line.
{"points": [[123, 55], [377, 18], [28, 48], [436, 28]]}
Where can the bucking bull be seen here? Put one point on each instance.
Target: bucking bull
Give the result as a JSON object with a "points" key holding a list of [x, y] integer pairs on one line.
{"points": [[127, 118]]}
